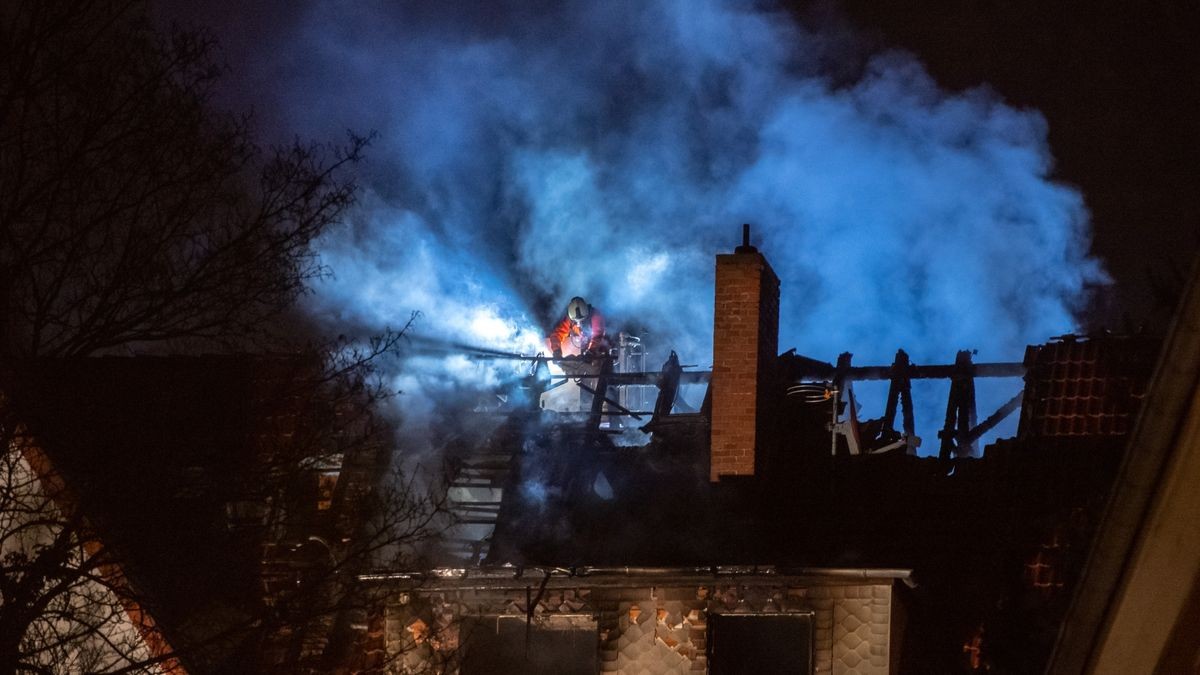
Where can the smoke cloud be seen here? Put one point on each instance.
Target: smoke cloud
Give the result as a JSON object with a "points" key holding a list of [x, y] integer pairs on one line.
{"points": [[529, 152]]}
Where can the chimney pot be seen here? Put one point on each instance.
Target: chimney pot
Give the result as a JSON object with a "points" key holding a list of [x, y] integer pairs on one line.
{"points": [[745, 247]]}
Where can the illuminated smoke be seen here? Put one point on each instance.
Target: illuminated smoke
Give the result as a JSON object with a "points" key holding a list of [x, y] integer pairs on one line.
{"points": [[531, 152]]}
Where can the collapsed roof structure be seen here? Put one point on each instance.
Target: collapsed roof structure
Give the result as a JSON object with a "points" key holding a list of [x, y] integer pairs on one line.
{"points": [[774, 483]]}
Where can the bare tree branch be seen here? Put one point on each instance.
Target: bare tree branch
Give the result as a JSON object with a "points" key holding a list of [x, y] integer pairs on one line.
{"points": [[135, 216]]}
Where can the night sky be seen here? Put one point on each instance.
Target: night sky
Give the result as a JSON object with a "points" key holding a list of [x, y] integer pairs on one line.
{"points": [[926, 178], [1119, 85]]}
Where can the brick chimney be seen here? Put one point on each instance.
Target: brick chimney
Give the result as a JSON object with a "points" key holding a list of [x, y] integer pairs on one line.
{"points": [[745, 347]]}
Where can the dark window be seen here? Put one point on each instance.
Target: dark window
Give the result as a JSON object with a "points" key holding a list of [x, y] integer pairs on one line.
{"points": [[762, 644], [499, 646]]}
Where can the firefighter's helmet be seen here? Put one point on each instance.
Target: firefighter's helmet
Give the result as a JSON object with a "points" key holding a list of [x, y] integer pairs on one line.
{"points": [[578, 309]]}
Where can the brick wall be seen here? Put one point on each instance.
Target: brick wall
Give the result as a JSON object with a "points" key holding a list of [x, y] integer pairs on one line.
{"points": [[745, 346]]}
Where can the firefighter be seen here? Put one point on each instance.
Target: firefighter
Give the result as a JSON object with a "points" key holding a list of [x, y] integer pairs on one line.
{"points": [[580, 332]]}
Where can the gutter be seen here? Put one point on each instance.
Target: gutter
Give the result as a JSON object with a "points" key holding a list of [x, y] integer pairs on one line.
{"points": [[457, 577]]}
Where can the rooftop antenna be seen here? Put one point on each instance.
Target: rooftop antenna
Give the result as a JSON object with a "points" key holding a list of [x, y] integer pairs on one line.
{"points": [[745, 247]]}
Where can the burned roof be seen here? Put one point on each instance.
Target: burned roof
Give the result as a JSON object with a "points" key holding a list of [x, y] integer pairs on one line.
{"points": [[653, 505], [574, 497], [996, 539]]}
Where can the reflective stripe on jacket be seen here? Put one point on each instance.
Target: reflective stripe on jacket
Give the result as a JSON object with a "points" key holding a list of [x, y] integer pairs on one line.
{"points": [[573, 338]]}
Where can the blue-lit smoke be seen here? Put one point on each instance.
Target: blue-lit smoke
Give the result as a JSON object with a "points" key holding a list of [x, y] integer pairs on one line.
{"points": [[529, 153]]}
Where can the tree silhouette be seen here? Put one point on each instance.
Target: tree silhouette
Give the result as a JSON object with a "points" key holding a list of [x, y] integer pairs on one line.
{"points": [[131, 212], [134, 217]]}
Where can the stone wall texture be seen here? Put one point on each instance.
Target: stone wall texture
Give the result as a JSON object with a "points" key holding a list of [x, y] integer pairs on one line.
{"points": [[652, 630]]}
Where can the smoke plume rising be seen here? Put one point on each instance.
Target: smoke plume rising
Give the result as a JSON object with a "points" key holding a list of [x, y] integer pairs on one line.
{"points": [[529, 152]]}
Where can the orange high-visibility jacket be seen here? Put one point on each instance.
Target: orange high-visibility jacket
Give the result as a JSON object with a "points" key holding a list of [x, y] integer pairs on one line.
{"points": [[573, 338]]}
